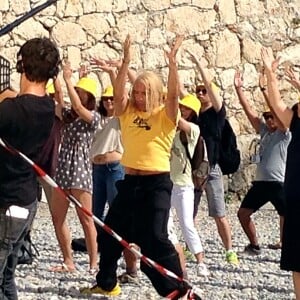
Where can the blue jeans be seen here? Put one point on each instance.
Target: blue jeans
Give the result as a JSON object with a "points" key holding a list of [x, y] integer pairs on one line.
{"points": [[104, 185], [12, 232]]}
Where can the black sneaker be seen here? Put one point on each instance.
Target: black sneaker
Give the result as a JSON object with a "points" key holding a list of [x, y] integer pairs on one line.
{"points": [[252, 250]]}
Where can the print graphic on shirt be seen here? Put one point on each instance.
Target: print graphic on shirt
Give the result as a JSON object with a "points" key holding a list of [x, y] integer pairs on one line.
{"points": [[141, 123]]}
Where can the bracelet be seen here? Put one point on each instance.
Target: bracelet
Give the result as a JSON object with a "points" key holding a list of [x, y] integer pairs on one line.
{"points": [[262, 88]]}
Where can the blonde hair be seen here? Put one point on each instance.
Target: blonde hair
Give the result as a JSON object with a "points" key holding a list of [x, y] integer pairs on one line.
{"points": [[154, 90]]}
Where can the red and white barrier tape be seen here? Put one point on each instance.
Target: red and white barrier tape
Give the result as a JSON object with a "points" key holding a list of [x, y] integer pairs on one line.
{"points": [[72, 199]]}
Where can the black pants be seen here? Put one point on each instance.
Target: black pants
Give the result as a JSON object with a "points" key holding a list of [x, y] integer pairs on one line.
{"points": [[140, 214]]}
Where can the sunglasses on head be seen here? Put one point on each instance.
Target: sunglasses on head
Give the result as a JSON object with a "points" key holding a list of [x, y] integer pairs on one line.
{"points": [[202, 91], [107, 98], [268, 116]]}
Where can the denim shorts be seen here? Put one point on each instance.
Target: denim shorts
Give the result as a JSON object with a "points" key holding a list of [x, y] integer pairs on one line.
{"points": [[215, 192]]}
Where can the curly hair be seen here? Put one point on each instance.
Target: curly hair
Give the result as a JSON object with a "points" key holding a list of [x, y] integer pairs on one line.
{"points": [[39, 59]]}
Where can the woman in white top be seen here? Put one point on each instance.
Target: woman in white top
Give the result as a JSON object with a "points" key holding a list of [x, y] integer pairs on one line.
{"points": [[106, 153], [182, 198]]}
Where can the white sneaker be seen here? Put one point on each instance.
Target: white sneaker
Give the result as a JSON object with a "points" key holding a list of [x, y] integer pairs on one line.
{"points": [[202, 270]]}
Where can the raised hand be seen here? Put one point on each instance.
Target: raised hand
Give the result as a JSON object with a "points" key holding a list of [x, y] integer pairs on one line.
{"points": [[67, 70], [104, 65], [193, 57], [171, 55], [238, 79], [127, 49], [116, 63], [83, 71], [291, 78], [270, 63]]}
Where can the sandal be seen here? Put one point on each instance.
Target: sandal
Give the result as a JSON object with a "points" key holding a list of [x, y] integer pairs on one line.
{"points": [[128, 278], [62, 268], [93, 271]]}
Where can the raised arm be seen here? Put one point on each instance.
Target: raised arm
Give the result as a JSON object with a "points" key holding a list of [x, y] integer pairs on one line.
{"points": [[171, 102], [120, 93], [131, 73], [262, 86], [182, 90], [250, 113], [106, 67], [213, 96], [283, 113], [58, 97], [184, 125], [78, 107]]}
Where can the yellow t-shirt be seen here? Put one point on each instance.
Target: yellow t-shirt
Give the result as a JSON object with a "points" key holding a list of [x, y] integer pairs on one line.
{"points": [[181, 173], [147, 139]]}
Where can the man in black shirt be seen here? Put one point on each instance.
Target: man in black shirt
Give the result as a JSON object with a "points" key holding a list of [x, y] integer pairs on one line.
{"points": [[25, 123], [211, 121]]}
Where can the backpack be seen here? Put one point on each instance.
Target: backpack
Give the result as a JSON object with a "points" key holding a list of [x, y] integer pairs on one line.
{"points": [[26, 253], [199, 162], [79, 245], [230, 157]]}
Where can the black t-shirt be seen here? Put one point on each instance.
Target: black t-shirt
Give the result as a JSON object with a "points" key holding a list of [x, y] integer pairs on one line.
{"points": [[25, 124], [211, 124]]}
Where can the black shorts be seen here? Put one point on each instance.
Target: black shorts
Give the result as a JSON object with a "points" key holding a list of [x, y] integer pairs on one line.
{"points": [[262, 192]]}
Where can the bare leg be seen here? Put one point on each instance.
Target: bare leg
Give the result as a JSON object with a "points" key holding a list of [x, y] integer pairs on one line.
{"points": [[180, 252], [88, 225], [59, 208], [224, 231], [244, 215], [281, 221], [296, 280], [131, 261]]}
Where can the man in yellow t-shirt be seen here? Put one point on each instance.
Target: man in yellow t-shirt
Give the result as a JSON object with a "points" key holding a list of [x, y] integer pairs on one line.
{"points": [[140, 211]]}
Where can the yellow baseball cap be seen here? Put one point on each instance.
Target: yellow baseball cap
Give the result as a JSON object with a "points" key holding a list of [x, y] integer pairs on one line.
{"points": [[88, 85], [191, 102], [108, 92]]}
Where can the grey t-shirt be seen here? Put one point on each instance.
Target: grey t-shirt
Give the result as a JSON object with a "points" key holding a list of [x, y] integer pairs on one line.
{"points": [[273, 151]]}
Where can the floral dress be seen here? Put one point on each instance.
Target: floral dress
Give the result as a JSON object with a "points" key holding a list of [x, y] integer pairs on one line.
{"points": [[74, 169]]}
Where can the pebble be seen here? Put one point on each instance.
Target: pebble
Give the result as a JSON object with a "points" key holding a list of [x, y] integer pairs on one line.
{"points": [[256, 277]]}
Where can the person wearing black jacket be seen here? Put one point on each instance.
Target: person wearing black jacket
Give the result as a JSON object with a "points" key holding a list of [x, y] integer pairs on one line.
{"points": [[25, 123]]}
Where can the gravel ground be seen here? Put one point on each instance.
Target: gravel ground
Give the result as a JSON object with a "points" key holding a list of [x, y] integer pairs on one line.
{"points": [[256, 277]]}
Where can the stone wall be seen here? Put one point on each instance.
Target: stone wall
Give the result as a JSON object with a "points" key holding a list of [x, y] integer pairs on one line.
{"points": [[225, 34]]}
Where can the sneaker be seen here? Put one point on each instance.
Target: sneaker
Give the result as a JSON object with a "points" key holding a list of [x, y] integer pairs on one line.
{"points": [[98, 290], [188, 255], [252, 250], [231, 257], [202, 270], [128, 278]]}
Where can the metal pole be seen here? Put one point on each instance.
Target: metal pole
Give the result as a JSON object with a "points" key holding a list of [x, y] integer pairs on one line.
{"points": [[6, 29]]}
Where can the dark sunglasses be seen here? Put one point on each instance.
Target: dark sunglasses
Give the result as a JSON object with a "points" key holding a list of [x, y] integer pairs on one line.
{"points": [[268, 116], [107, 98], [201, 91]]}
